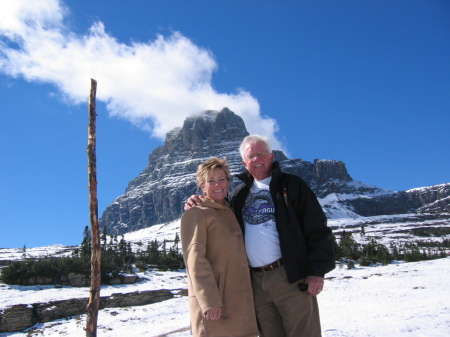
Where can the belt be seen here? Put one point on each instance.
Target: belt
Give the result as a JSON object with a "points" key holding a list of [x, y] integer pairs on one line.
{"points": [[268, 267]]}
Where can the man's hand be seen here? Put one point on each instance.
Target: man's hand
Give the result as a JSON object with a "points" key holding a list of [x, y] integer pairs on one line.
{"points": [[315, 284], [193, 201]]}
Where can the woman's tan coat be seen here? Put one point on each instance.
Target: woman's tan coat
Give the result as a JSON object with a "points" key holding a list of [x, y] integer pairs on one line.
{"points": [[218, 272]]}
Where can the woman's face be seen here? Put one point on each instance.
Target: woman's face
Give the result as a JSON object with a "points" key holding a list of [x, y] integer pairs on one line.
{"points": [[216, 186]]}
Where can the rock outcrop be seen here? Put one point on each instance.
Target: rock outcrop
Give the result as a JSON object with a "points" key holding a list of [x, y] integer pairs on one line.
{"points": [[76, 280], [433, 199], [22, 316]]}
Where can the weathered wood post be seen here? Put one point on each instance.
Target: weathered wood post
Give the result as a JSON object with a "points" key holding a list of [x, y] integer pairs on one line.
{"points": [[94, 297]]}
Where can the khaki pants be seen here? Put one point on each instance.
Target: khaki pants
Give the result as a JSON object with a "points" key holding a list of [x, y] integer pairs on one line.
{"points": [[282, 309]]}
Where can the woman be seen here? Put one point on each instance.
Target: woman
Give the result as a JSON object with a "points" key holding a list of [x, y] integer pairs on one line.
{"points": [[220, 293]]}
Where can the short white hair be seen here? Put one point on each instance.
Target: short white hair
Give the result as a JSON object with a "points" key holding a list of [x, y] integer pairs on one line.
{"points": [[253, 139]]}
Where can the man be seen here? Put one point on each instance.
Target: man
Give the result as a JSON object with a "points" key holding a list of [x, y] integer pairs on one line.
{"points": [[288, 243]]}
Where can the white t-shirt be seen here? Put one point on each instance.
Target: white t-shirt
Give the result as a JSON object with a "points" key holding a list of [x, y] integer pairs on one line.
{"points": [[261, 235]]}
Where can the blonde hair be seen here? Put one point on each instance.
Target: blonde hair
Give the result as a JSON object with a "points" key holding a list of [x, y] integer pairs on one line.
{"points": [[207, 168], [253, 139]]}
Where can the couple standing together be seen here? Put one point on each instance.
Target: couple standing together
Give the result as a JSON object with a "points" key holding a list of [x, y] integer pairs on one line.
{"points": [[268, 286]]}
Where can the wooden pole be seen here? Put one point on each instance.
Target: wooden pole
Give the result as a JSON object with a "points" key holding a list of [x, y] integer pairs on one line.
{"points": [[94, 298]]}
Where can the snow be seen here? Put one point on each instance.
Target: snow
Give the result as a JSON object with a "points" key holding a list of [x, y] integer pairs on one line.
{"points": [[13, 294], [401, 299], [427, 188], [161, 232]]}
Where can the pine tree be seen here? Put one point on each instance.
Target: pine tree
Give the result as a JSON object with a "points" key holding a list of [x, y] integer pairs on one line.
{"points": [[348, 247], [104, 238], [85, 249], [153, 253]]}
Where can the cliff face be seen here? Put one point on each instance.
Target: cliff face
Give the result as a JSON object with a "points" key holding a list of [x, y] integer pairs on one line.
{"points": [[432, 199], [157, 195]]}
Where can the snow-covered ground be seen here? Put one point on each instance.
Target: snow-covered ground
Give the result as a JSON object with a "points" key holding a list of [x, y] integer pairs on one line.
{"points": [[404, 299], [401, 299]]}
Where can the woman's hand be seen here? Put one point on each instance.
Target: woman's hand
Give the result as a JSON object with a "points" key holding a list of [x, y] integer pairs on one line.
{"points": [[213, 313]]}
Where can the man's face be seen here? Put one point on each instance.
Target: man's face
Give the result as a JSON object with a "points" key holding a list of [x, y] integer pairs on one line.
{"points": [[258, 160]]}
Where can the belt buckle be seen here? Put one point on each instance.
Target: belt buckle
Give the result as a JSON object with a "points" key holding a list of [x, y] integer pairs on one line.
{"points": [[269, 266]]}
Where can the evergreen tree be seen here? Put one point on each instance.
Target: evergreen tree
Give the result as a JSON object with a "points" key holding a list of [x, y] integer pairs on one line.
{"points": [[24, 251], [85, 248], [348, 247], [153, 253], [104, 238]]}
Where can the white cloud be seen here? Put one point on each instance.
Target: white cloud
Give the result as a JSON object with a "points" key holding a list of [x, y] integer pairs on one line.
{"points": [[154, 85]]}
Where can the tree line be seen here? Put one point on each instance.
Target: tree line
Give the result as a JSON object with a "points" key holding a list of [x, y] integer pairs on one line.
{"points": [[117, 257], [370, 252]]}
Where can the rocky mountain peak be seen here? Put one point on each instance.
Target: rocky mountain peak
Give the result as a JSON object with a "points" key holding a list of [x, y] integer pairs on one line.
{"points": [[157, 195], [202, 133]]}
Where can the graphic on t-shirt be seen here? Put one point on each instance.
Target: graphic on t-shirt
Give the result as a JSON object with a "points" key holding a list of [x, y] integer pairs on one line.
{"points": [[259, 208]]}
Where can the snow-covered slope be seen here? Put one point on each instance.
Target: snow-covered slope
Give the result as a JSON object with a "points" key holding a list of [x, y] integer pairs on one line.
{"points": [[401, 299], [407, 299]]}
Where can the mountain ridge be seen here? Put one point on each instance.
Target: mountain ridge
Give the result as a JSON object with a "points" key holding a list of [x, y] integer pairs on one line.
{"points": [[157, 195]]}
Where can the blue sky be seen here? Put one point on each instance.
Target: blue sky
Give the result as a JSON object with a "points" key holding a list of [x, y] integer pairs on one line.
{"points": [[364, 82]]}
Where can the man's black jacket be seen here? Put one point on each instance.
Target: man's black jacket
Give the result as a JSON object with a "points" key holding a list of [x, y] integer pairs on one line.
{"points": [[305, 240]]}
